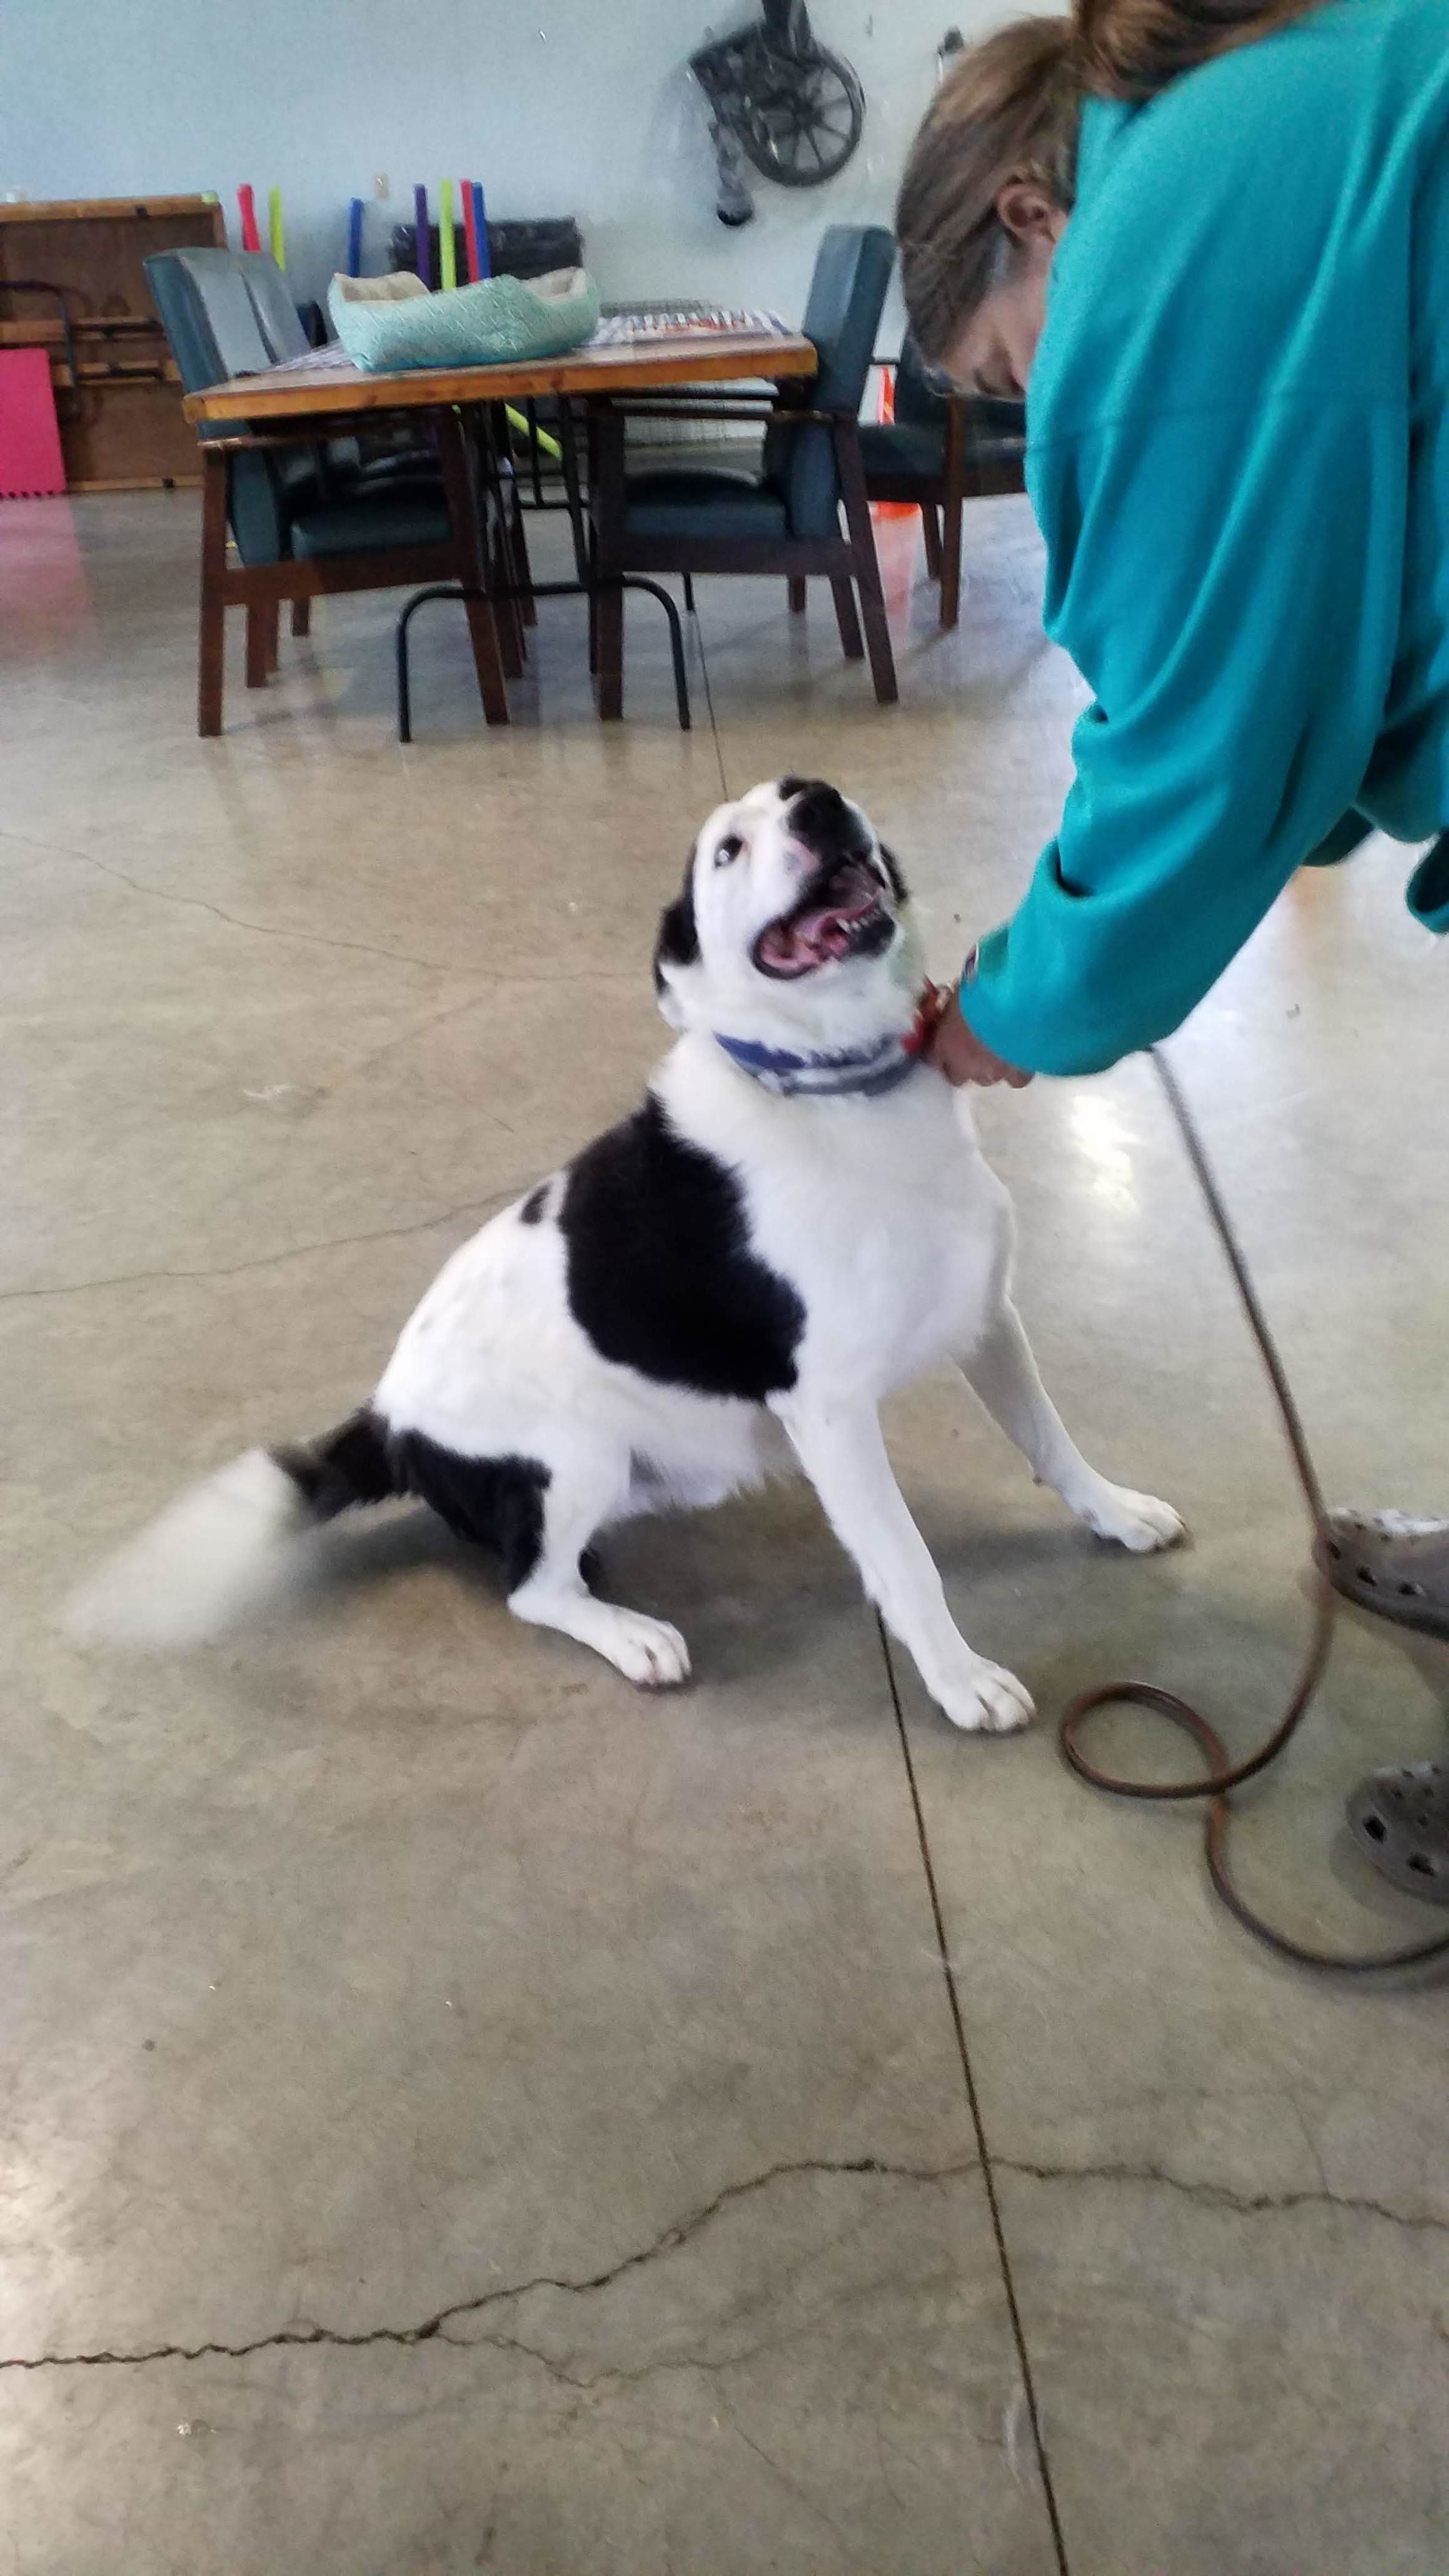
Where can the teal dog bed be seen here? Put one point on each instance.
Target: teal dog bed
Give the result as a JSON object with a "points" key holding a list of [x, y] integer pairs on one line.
{"points": [[386, 323]]}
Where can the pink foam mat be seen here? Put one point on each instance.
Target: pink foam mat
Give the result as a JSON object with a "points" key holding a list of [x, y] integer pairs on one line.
{"points": [[31, 465]]}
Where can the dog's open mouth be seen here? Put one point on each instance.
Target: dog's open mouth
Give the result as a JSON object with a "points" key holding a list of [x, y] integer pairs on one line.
{"points": [[842, 913]]}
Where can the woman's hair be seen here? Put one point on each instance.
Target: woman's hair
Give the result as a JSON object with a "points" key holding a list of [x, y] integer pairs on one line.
{"points": [[1010, 109]]}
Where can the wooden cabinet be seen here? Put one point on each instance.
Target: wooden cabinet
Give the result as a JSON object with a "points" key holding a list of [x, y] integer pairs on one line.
{"points": [[119, 403]]}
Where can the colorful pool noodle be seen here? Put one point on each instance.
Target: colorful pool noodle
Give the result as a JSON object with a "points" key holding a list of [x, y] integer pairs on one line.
{"points": [[247, 205], [354, 239], [274, 226], [470, 230], [518, 420], [447, 241], [424, 246], [480, 227]]}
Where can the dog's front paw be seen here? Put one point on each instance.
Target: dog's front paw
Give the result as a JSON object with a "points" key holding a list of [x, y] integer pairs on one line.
{"points": [[984, 1699], [1136, 1521], [647, 1651]]}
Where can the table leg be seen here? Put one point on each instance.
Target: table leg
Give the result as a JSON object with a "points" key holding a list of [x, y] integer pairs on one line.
{"points": [[606, 493], [471, 545], [211, 648]]}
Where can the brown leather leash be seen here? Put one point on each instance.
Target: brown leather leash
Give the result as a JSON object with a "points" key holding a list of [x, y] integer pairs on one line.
{"points": [[1223, 1776]]}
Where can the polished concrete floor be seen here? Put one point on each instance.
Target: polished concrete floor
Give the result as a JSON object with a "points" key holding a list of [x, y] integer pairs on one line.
{"points": [[461, 2115]]}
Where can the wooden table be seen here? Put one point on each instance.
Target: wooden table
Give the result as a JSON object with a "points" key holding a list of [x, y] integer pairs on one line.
{"points": [[327, 396]]}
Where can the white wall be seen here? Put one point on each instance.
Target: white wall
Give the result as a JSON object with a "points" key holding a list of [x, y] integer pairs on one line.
{"points": [[559, 107]]}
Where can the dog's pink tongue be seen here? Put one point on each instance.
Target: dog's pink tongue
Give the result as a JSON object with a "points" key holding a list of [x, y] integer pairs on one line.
{"points": [[825, 932], [778, 946]]}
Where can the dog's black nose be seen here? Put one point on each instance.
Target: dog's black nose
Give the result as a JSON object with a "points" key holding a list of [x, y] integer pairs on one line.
{"points": [[820, 817]]}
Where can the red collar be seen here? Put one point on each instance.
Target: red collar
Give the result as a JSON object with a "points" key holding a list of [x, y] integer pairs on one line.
{"points": [[931, 1009]]}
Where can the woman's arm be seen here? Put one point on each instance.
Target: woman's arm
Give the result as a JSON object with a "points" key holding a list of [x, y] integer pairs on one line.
{"points": [[1228, 582]]}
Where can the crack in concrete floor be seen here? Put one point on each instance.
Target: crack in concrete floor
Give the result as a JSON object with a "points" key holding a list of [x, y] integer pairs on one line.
{"points": [[681, 2231]]}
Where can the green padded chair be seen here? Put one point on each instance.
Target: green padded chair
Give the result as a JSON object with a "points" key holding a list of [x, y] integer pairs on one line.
{"points": [[940, 451], [787, 517], [305, 515]]}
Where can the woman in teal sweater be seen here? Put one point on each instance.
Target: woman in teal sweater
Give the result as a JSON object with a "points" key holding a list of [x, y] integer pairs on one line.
{"points": [[1238, 451]]}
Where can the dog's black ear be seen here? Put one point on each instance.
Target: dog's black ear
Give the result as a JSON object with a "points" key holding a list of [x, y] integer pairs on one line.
{"points": [[899, 887], [678, 941]]}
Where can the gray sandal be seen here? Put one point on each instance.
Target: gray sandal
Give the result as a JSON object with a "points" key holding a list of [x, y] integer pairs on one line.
{"points": [[1399, 1818], [1390, 1564]]}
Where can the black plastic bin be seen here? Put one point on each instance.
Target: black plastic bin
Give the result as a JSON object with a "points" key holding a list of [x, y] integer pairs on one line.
{"points": [[514, 249]]}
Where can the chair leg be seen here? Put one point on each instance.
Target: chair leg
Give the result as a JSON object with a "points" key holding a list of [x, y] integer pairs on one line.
{"points": [[522, 568], [419, 599], [609, 615], [260, 613], [878, 637], [512, 553], [657, 591], [502, 566], [211, 646], [510, 625], [845, 617], [301, 617], [931, 531], [578, 521], [795, 589], [472, 566], [867, 564], [951, 564], [681, 677]]}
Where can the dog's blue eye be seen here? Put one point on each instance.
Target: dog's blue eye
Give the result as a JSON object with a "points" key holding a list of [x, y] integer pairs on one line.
{"points": [[729, 848]]}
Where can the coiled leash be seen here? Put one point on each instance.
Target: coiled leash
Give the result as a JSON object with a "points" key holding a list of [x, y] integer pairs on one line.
{"points": [[1222, 1777]]}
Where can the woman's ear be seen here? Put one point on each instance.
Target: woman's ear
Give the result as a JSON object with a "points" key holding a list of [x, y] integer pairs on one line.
{"points": [[1030, 213]]}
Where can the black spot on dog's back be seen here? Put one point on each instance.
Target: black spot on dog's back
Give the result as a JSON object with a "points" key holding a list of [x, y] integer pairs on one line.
{"points": [[531, 1212], [660, 1273]]}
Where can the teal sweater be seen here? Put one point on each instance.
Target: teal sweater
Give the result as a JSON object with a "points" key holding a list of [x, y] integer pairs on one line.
{"points": [[1238, 451]]}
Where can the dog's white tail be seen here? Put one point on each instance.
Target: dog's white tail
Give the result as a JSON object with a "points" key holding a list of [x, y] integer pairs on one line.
{"points": [[229, 1547], [216, 1554]]}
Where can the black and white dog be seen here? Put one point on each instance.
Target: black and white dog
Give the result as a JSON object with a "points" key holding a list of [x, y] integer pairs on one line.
{"points": [[796, 1221]]}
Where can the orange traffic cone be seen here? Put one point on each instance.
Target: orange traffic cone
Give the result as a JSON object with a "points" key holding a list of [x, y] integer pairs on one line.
{"points": [[885, 412]]}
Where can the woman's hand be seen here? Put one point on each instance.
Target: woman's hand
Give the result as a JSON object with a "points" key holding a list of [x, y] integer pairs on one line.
{"points": [[956, 1051]]}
